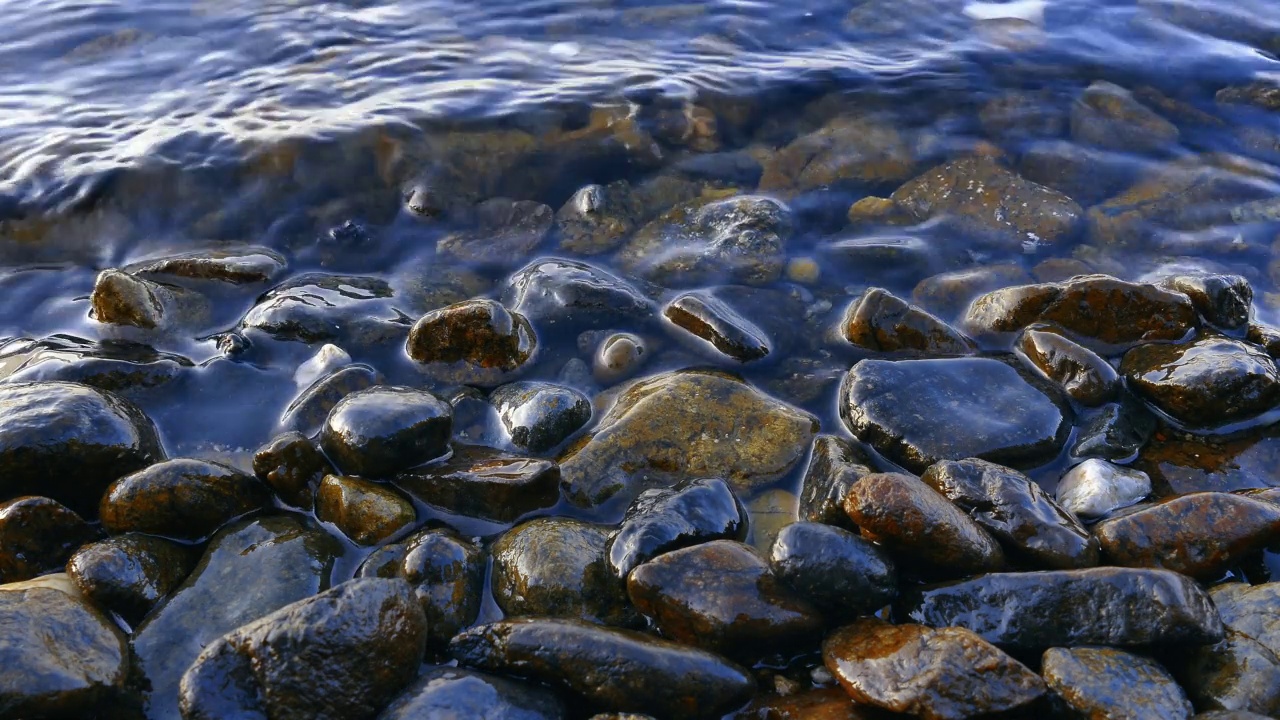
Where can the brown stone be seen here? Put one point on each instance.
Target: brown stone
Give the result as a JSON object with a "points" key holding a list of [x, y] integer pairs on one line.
{"points": [[481, 482], [364, 511], [1084, 376], [478, 341], [880, 321]]}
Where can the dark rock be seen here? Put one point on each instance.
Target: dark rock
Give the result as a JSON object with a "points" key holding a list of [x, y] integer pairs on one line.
{"points": [[235, 265], [611, 669], [1238, 674], [477, 342], [835, 464], [690, 423], [1098, 311], [1084, 174], [1021, 115], [69, 442], [843, 574], [1035, 611], [37, 535], [292, 465], [1013, 508], [1108, 116], [307, 412], [934, 674], [881, 322], [914, 521], [182, 499], [983, 198], [485, 483], [1201, 534], [59, 657], [120, 298], [341, 655], [249, 570], [568, 296], [847, 150], [1209, 382], [1096, 488], [886, 259], [1229, 715], [1110, 683], [1085, 377], [816, 704], [916, 412], [119, 366], [385, 429], [705, 316], [538, 415], [1117, 432], [447, 575], [1223, 300], [557, 567], [129, 574], [664, 519], [366, 512], [316, 307], [458, 694], [1264, 336], [504, 231], [951, 292]]}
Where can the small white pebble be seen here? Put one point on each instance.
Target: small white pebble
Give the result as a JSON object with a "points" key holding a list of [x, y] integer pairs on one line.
{"points": [[327, 359]]}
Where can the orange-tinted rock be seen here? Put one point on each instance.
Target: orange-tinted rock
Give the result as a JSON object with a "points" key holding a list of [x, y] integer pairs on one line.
{"points": [[481, 482], [817, 704], [476, 342], [845, 150], [364, 511], [704, 316], [1084, 376], [182, 498], [1210, 382], [882, 322], [1110, 683]]}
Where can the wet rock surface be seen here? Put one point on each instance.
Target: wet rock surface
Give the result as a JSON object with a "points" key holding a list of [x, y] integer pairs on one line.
{"points": [[120, 298], [307, 412], [611, 669], [183, 499], [447, 575], [365, 512], [1105, 682], [469, 695], [475, 342], [835, 464], [1222, 300], [482, 482], [292, 466], [319, 307], [1238, 674], [385, 429], [1096, 488], [664, 519], [129, 574], [538, 416], [706, 317], [120, 366], [1083, 375], [841, 573], [234, 265], [1117, 432], [559, 295], [1210, 382], [37, 535], [504, 229], [882, 322]]}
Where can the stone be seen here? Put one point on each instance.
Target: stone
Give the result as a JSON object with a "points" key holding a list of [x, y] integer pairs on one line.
{"points": [[769, 513], [557, 567], [1021, 115], [843, 574], [878, 211], [504, 230], [595, 219], [365, 512], [308, 411], [386, 429], [914, 521], [1083, 375], [341, 655], [1098, 311], [481, 482], [120, 366], [847, 150], [1116, 432], [983, 198], [476, 342], [564, 296], [1034, 611], [1209, 382], [881, 322], [688, 423], [59, 656], [1237, 674], [1265, 337], [619, 356], [249, 570], [615, 670], [1260, 93], [234, 265], [835, 464], [1250, 611], [1222, 300], [460, 694], [68, 442], [664, 519], [292, 465], [120, 298], [129, 574], [1201, 534], [37, 535], [916, 412], [1108, 116], [1013, 508], [943, 674], [182, 499], [1085, 174], [326, 360], [447, 574], [704, 316], [353, 310], [949, 293], [887, 259], [538, 416], [1096, 488], [1110, 683]]}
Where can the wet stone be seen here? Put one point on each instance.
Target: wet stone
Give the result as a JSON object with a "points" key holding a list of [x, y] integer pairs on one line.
{"points": [[182, 498], [595, 219], [566, 296], [843, 574], [664, 519], [619, 356], [690, 423], [119, 298], [317, 307], [119, 366], [1021, 115], [1201, 534], [1034, 611], [37, 535], [1250, 611], [1108, 116], [768, 514], [557, 567], [816, 704], [886, 259], [946, 674], [1110, 683], [485, 483], [503, 230], [364, 511], [1237, 674], [538, 416], [459, 694], [878, 211], [849, 150], [292, 465], [236, 265], [69, 442], [1210, 382], [477, 342], [1261, 94], [916, 412], [128, 574], [59, 656], [384, 429], [915, 522], [249, 570], [881, 322], [1082, 374], [835, 464], [341, 655], [447, 575], [1013, 508], [949, 293], [307, 412], [1087, 175], [704, 316], [1222, 300], [1096, 488], [610, 669], [1117, 432]]}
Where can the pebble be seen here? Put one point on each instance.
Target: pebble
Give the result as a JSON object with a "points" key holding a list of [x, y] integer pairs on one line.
{"points": [[1096, 488]]}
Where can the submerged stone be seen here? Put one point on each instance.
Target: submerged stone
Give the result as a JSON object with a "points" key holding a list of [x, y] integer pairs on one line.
{"points": [[705, 316], [1109, 116], [1209, 382], [882, 322], [182, 499], [847, 150], [1110, 683], [504, 231], [1238, 674], [565, 296], [485, 483], [317, 307], [476, 342], [385, 429], [120, 366], [292, 465], [235, 265], [120, 298]]}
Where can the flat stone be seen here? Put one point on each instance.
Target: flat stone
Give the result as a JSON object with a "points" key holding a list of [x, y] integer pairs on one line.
{"points": [[1222, 300], [881, 322], [943, 674], [835, 464], [308, 411], [560, 296], [292, 465], [1108, 116], [916, 412], [460, 694], [1034, 611], [476, 342], [708, 318], [1210, 382], [183, 499], [365, 512], [843, 574], [120, 366], [1096, 488], [538, 416], [847, 150], [355, 310], [447, 575], [615, 670], [502, 230], [1110, 683], [386, 429], [484, 483], [1082, 374], [235, 265], [129, 574], [37, 535], [664, 519]]}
